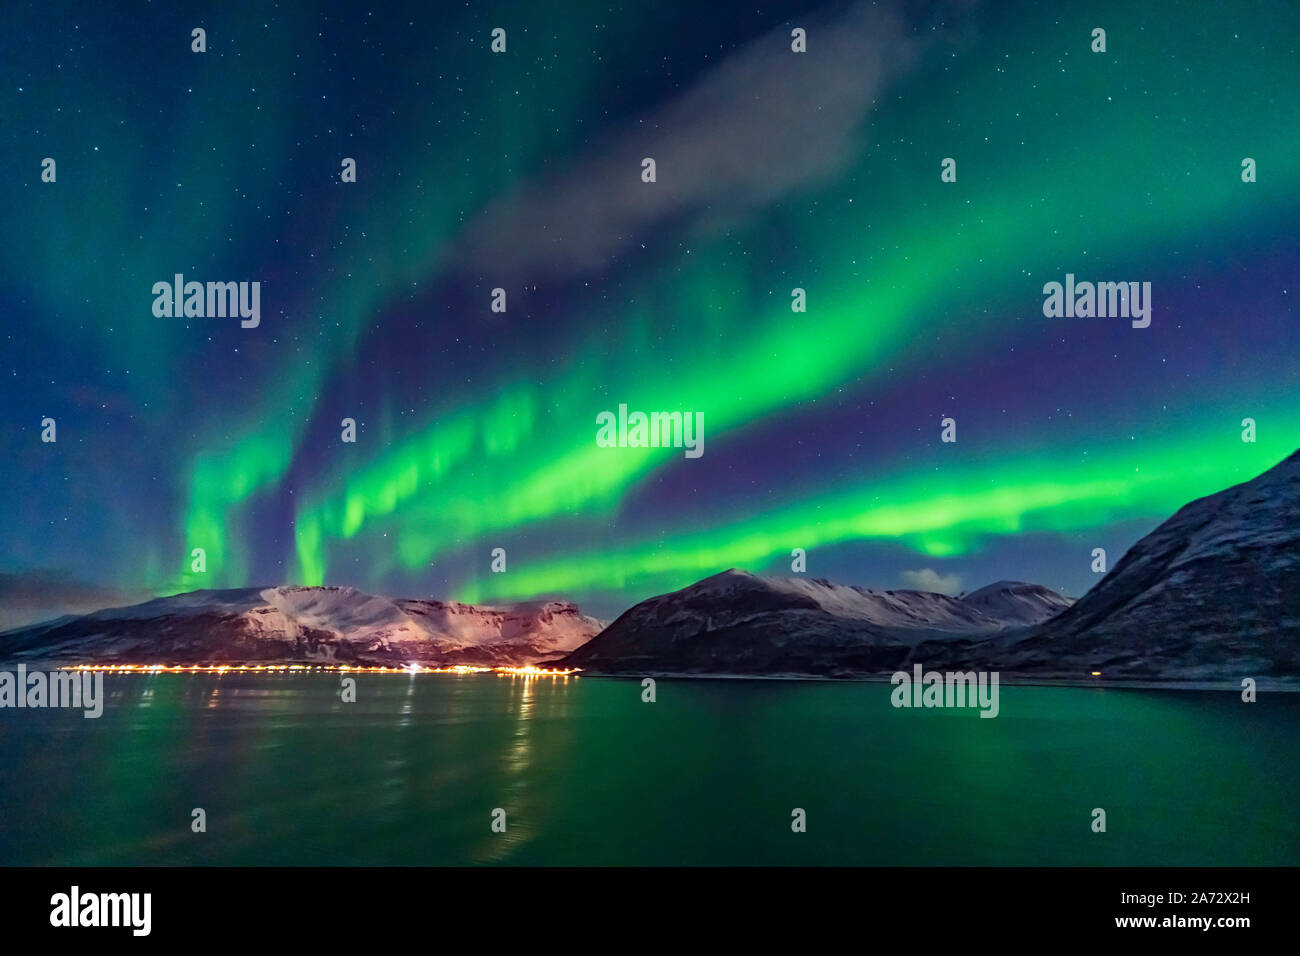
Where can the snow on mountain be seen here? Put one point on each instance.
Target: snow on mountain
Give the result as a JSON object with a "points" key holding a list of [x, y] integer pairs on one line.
{"points": [[308, 623], [1213, 593], [737, 622], [1016, 602]]}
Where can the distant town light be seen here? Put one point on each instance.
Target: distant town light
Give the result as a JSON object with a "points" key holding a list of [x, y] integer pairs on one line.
{"points": [[529, 670]]}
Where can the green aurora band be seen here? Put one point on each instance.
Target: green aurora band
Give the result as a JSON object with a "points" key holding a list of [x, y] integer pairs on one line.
{"points": [[909, 261], [927, 513]]}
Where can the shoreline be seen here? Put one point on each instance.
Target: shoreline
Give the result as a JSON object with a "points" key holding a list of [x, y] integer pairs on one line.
{"points": [[1288, 684], [280, 668]]}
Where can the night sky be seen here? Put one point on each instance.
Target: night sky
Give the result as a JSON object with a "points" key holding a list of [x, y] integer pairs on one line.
{"points": [[522, 170]]}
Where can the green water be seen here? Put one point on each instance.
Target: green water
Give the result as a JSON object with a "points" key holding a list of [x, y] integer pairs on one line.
{"points": [[589, 774]]}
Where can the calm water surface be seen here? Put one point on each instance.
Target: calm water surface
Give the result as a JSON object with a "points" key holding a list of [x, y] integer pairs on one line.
{"points": [[588, 774]]}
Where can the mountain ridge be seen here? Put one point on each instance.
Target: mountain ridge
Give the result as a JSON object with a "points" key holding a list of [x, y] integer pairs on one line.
{"points": [[739, 622], [308, 623], [1213, 593]]}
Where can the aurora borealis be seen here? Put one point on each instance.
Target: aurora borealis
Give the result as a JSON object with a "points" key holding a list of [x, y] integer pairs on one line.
{"points": [[521, 170]]}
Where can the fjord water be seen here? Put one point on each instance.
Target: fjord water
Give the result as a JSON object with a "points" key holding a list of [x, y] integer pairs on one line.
{"points": [[587, 773]]}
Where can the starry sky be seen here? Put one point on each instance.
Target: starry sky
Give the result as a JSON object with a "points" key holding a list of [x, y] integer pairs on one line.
{"points": [[521, 170]]}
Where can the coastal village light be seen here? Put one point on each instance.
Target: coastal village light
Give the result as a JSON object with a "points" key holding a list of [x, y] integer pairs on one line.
{"points": [[528, 671]]}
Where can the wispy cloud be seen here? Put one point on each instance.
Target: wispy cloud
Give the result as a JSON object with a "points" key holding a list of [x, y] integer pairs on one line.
{"points": [[764, 123], [927, 579]]}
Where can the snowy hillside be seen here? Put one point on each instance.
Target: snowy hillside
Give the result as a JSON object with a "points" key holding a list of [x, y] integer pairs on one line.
{"points": [[737, 622], [305, 624]]}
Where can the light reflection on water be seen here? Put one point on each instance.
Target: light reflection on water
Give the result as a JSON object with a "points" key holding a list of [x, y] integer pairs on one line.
{"points": [[589, 774]]}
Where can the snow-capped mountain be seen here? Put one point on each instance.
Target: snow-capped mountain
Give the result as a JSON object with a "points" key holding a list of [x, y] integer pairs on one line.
{"points": [[741, 623], [1213, 593], [1017, 603], [307, 624]]}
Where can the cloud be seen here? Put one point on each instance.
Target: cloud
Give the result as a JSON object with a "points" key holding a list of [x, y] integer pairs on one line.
{"points": [[928, 580], [28, 597], [763, 124]]}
